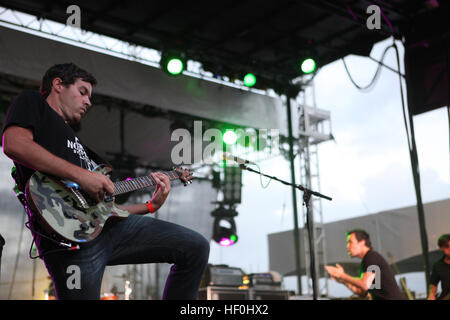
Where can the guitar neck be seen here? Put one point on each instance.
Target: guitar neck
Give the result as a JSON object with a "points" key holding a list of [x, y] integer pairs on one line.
{"points": [[134, 184]]}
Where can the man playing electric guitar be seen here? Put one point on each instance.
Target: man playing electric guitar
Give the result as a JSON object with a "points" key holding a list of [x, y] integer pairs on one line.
{"points": [[37, 136]]}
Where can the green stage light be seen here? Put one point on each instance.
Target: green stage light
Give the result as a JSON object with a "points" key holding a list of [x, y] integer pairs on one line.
{"points": [[175, 66], [229, 137], [249, 80], [173, 62], [308, 65]]}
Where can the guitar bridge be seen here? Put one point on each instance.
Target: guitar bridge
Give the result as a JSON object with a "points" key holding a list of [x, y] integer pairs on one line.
{"points": [[81, 200]]}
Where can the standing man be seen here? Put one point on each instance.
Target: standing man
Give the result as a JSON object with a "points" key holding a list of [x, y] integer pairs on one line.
{"points": [[37, 136], [441, 271], [373, 267]]}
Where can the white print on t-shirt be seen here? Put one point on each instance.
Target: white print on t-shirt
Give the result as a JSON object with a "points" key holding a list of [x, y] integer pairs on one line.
{"points": [[77, 148]]}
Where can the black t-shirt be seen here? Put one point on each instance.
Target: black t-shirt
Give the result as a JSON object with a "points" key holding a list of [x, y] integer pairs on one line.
{"points": [[387, 288], [30, 110], [441, 272]]}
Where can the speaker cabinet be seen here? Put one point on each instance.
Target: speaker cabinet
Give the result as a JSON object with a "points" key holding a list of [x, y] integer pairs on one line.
{"points": [[255, 294], [222, 293]]}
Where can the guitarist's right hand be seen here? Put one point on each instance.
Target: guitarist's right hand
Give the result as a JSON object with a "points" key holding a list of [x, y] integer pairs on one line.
{"points": [[96, 185]]}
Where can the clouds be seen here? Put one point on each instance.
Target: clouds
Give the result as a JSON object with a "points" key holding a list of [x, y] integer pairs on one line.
{"points": [[432, 138], [368, 167], [394, 188]]}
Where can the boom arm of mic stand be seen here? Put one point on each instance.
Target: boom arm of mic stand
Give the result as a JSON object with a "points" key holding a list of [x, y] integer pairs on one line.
{"points": [[306, 199], [307, 191]]}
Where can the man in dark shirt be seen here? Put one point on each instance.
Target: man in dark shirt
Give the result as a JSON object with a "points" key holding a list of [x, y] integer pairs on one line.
{"points": [[441, 271], [37, 135], [376, 276]]}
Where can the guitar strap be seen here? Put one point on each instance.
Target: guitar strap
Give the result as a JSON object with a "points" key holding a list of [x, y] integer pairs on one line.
{"points": [[96, 158], [18, 188]]}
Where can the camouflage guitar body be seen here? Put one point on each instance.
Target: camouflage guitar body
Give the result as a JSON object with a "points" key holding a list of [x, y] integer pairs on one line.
{"points": [[63, 208]]}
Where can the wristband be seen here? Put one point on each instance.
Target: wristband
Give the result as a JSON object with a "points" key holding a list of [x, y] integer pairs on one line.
{"points": [[150, 207]]}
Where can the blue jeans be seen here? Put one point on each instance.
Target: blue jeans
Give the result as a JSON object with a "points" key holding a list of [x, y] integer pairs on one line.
{"points": [[134, 240]]}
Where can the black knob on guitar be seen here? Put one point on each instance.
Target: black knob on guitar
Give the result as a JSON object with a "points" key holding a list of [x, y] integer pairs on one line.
{"points": [[67, 214], [84, 226]]}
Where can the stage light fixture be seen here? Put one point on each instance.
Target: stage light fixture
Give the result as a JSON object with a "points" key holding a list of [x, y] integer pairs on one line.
{"points": [[225, 234], [224, 229], [232, 185], [173, 62], [229, 137], [308, 65], [175, 66], [249, 80]]}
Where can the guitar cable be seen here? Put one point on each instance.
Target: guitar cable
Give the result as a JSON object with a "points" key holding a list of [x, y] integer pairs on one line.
{"points": [[69, 247]]}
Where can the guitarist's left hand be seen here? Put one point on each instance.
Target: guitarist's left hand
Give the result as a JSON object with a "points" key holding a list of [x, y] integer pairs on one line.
{"points": [[162, 189]]}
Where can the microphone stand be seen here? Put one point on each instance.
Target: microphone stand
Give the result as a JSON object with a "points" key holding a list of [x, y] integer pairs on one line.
{"points": [[307, 193]]}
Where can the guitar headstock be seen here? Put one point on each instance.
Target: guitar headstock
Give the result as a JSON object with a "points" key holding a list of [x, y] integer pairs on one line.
{"points": [[185, 175]]}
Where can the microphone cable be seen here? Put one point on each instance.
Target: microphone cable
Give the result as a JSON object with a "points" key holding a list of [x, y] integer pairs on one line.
{"points": [[375, 77]]}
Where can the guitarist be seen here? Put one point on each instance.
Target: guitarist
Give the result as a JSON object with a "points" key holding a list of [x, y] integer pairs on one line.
{"points": [[441, 271], [37, 135]]}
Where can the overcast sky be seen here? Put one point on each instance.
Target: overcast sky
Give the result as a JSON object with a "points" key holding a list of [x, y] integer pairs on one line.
{"points": [[367, 169]]}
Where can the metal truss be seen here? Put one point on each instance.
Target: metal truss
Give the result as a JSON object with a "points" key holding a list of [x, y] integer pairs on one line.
{"points": [[313, 131], [93, 41]]}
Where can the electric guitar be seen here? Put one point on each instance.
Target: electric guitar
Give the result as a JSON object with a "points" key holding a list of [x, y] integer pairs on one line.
{"points": [[63, 208]]}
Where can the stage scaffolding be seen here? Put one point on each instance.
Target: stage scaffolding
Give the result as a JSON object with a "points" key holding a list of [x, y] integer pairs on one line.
{"points": [[314, 128]]}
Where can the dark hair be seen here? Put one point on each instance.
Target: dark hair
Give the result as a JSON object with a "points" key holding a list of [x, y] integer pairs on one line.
{"points": [[68, 73], [443, 240], [361, 234]]}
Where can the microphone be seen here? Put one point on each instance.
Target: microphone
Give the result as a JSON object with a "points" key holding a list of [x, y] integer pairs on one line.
{"points": [[229, 156]]}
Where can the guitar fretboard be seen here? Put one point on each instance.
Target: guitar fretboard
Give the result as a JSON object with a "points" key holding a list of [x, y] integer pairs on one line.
{"points": [[125, 186]]}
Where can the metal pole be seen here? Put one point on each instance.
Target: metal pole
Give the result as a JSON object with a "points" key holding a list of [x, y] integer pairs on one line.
{"points": [[311, 240], [420, 211], [415, 166], [33, 281], [294, 197]]}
